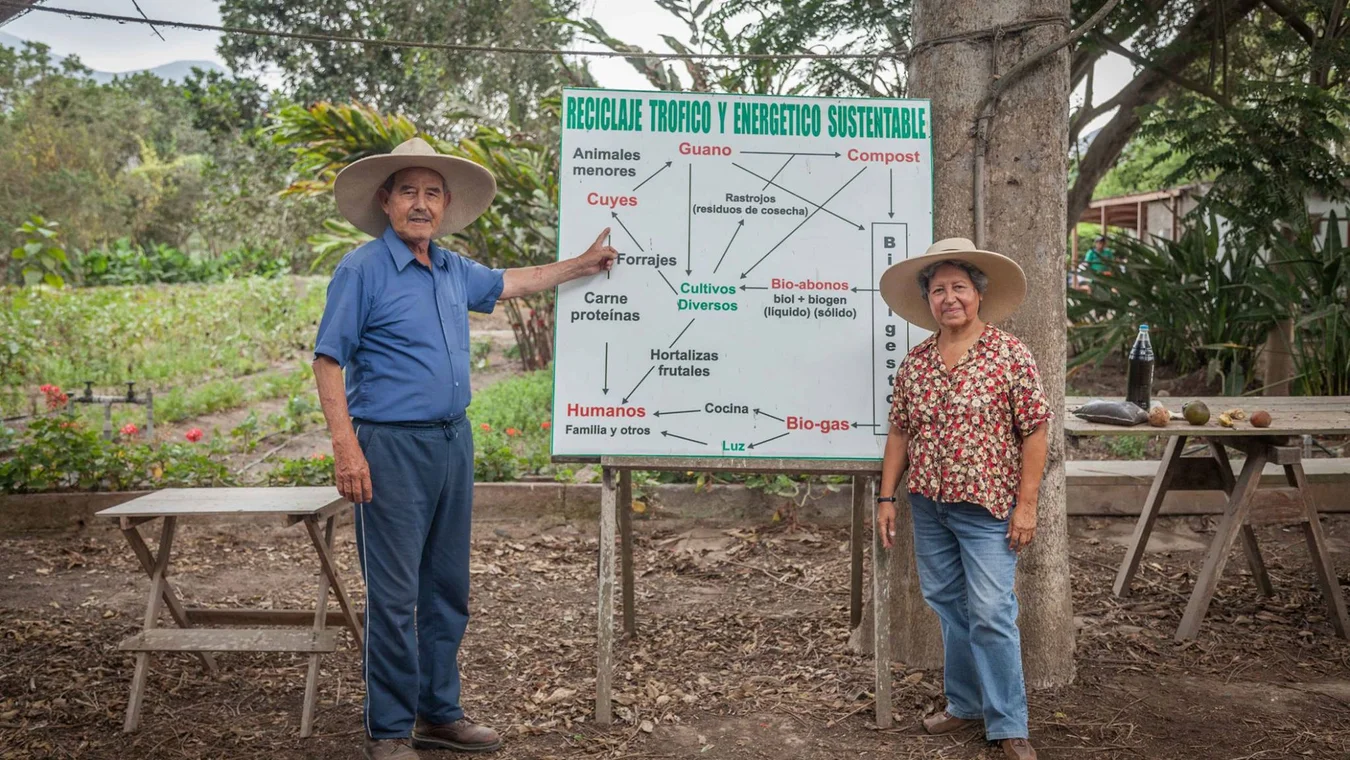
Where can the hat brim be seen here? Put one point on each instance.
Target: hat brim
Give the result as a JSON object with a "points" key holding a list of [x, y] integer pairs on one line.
{"points": [[471, 187], [899, 286]]}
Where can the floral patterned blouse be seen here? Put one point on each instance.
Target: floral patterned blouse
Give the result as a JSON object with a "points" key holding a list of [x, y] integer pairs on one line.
{"points": [[966, 425]]}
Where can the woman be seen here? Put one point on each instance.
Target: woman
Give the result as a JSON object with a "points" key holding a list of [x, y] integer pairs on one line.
{"points": [[969, 422]]}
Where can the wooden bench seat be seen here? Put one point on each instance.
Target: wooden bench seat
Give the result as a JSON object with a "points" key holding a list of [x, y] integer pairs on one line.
{"points": [[1120, 487]]}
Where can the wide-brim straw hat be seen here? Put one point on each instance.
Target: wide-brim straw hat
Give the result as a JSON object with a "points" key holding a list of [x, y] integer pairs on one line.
{"points": [[471, 187], [1007, 282]]}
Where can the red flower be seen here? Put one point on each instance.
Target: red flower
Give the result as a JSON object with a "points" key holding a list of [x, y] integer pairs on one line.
{"points": [[55, 398], [486, 427], [545, 425], [512, 431], [130, 429], [318, 456], [193, 435]]}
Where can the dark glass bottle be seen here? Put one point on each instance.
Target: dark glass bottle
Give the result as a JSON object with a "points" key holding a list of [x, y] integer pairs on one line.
{"points": [[1139, 375]]}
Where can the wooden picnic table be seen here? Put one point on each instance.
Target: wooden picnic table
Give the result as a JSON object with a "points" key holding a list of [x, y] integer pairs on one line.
{"points": [[295, 505], [1248, 504]]}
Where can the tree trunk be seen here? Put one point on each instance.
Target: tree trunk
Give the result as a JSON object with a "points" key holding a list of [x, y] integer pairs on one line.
{"points": [[1026, 176]]}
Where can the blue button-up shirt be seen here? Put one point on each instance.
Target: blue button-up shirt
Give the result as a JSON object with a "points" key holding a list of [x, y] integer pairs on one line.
{"points": [[401, 330]]}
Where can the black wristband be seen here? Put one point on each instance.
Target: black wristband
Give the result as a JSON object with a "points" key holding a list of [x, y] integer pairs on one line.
{"points": [[885, 498]]}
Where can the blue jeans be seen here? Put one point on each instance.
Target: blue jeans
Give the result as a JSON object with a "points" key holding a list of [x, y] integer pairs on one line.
{"points": [[966, 573], [413, 542]]}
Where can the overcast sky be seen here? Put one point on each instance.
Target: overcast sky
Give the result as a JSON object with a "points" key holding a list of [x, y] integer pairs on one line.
{"points": [[105, 46]]}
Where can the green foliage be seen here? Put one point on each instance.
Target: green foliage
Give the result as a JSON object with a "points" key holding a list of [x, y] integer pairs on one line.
{"points": [[247, 432], [181, 403], [125, 263], [776, 26], [1128, 446], [313, 470], [1274, 144], [479, 351], [161, 336], [1145, 165], [1196, 296], [494, 458], [40, 255], [108, 160], [300, 412], [58, 453], [1308, 282], [429, 85], [510, 421]]}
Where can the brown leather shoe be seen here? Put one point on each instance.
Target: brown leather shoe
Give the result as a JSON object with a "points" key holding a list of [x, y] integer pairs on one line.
{"points": [[462, 736], [1017, 749], [945, 723], [388, 749]]}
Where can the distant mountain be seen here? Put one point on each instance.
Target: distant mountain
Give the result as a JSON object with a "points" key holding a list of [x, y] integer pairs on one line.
{"points": [[175, 71]]}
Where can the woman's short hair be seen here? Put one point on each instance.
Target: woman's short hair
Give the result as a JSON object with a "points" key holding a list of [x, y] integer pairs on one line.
{"points": [[977, 276]]}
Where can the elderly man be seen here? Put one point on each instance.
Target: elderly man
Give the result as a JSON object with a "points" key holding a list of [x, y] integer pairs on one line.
{"points": [[397, 321]]}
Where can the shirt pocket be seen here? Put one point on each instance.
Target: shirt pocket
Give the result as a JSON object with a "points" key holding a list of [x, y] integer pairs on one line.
{"points": [[454, 316]]}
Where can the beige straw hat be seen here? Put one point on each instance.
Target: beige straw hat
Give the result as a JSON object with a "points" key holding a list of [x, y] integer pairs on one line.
{"points": [[471, 187], [1007, 282]]}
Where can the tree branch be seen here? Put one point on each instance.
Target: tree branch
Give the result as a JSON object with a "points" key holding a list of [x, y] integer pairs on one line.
{"points": [[1147, 87], [1086, 114], [1292, 19], [1197, 87]]}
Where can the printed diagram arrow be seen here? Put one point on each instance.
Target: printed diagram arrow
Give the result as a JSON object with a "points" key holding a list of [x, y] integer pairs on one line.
{"points": [[752, 287], [863, 290], [682, 411], [761, 443], [891, 172], [770, 180], [785, 153], [804, 221], [639, 384], [739, 225], [770, 416], [615, 214], [605, 389], [669, 434], [649, 179], [681, 335], [672, 287], [849, 222], [864, 425], [689, 226]]}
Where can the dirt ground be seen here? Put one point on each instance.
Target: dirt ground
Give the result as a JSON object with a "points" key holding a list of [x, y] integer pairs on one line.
{"points": [[741, 653]]}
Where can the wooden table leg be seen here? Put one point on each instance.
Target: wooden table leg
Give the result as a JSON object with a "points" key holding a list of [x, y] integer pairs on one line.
{"points": [[881, 616], [320, 620], [855, 545], [1249, 545], [157, 573], [625, 509], [340, 590], [1152, 506], [604, 666], [142, 552], [1234, 517], [1323, 567]]}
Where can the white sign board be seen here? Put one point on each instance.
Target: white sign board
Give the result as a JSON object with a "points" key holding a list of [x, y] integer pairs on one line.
{"points": [[741, 318]]}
